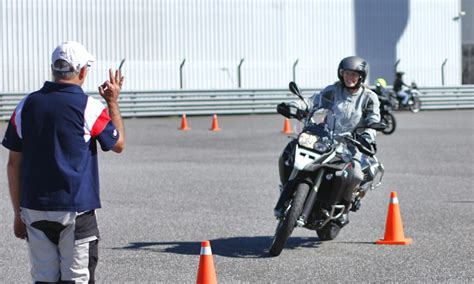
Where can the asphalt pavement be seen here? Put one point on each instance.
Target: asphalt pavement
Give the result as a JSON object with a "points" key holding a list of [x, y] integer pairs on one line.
{"points": [[172, 189]]}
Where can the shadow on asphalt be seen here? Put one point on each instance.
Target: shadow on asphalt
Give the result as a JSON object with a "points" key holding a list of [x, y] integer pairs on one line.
{"points": [[355, 242], [238, 247]]}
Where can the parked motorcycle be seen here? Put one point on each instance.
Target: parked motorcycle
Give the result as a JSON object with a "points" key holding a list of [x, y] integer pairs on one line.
{"points": [[414, 102], [320, 172]]}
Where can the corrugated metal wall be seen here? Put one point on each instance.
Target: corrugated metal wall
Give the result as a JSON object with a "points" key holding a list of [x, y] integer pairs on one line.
{"points": [[214, 35], [431, 37], [467, 21]]}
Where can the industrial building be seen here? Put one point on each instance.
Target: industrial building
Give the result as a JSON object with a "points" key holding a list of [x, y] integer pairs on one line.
{"points": [[227, 44]]}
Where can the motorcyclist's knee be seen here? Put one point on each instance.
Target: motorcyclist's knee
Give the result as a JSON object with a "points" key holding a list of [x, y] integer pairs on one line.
{"points": [[358, 175]]}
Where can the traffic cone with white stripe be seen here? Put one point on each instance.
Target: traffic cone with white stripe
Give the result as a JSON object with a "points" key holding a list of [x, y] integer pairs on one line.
{"points": [[394, 234], [206, 271], [184, 123], [287, 127], [215, 124]]}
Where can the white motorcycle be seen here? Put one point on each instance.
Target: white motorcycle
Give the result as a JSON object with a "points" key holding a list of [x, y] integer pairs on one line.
{"points": [[318, 167]]}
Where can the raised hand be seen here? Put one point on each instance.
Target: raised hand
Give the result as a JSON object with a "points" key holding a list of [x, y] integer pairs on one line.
{"points": [[110, 89]]}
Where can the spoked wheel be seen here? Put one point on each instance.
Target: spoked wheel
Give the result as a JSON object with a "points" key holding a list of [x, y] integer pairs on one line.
{"points": [[287, 224], [416, 106], [389, 120]]}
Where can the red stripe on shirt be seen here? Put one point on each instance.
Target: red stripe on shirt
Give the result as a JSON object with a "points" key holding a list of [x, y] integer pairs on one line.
{"points": [[100, 123], [13, 119]]}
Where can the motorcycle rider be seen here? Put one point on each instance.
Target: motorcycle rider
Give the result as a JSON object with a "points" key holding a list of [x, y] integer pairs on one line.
{"points": [[381, 88], [382, 93], [353, 105], [398, 85]]}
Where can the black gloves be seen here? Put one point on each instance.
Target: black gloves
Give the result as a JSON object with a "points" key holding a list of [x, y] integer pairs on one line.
{"points": [[367, 138], [291, 111], [284, 109], [300, 114], [369, 147]]}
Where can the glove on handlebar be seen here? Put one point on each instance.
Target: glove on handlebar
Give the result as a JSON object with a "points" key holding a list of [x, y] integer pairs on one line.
{"points": [[288, 110], [369, 146], [284, 109], [300, 114], [367, 138]]}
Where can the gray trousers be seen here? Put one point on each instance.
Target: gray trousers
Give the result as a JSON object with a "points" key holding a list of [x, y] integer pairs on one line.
{"points": [[63, 246], [358, 175]]}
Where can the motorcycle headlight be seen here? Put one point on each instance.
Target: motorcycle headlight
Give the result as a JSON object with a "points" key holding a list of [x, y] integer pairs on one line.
{"points": [[321, 147], [312, 142], [307, 140]]}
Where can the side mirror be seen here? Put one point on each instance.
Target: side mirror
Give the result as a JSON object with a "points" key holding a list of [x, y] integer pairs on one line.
{"points": [[295, 89]]}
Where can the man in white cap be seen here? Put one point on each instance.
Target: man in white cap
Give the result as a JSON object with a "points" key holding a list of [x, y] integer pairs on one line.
{"points": [[53, 169]]}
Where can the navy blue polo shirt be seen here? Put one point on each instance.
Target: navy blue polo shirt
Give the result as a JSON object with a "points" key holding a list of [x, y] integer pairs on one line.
{"points": [[57, 129]]}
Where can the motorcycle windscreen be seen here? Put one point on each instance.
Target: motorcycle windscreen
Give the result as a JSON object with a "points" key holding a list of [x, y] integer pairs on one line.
{"points": [[342, 116]]}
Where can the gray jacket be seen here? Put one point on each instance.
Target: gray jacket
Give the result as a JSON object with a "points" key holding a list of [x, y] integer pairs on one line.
{"points": [[350, 110]]}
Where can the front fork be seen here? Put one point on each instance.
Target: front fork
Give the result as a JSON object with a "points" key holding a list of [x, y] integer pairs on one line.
{"points": [[310, 200]]}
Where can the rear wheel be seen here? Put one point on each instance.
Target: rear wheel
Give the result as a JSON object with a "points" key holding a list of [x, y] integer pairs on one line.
{"points": [[389, 120], [287, 224]]}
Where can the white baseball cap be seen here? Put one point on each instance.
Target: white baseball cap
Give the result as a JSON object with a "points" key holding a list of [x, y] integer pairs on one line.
{"points": [[73, 53]]}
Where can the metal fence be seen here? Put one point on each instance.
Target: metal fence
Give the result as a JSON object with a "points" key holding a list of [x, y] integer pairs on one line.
{"points": [[239, 101]]}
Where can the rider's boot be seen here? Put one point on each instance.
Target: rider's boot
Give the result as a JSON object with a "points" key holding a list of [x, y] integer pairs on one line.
{"points": [[356, 204], [344, 218]]}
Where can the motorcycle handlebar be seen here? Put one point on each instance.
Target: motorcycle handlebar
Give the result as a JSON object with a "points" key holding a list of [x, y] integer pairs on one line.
{"points": [[362, 148]]}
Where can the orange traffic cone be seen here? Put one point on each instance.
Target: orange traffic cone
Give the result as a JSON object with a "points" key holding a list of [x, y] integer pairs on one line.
{"points": [[287, 127], [206, 272], [215, 124], [394, 228], [184, 123]]}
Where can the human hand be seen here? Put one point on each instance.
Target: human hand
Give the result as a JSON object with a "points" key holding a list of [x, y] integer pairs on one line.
{"points": [[300, 114], [110, 89], [19, 228], [367, 137], [284, 109], [367, 142]]}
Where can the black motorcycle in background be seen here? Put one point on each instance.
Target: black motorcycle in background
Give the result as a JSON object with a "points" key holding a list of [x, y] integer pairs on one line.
{"points": [[317, 173], [386, 109]]}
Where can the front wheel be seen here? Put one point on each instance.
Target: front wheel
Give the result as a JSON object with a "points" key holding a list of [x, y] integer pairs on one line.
{"points": [[389, 120], [416, 106], [287, 224]]}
